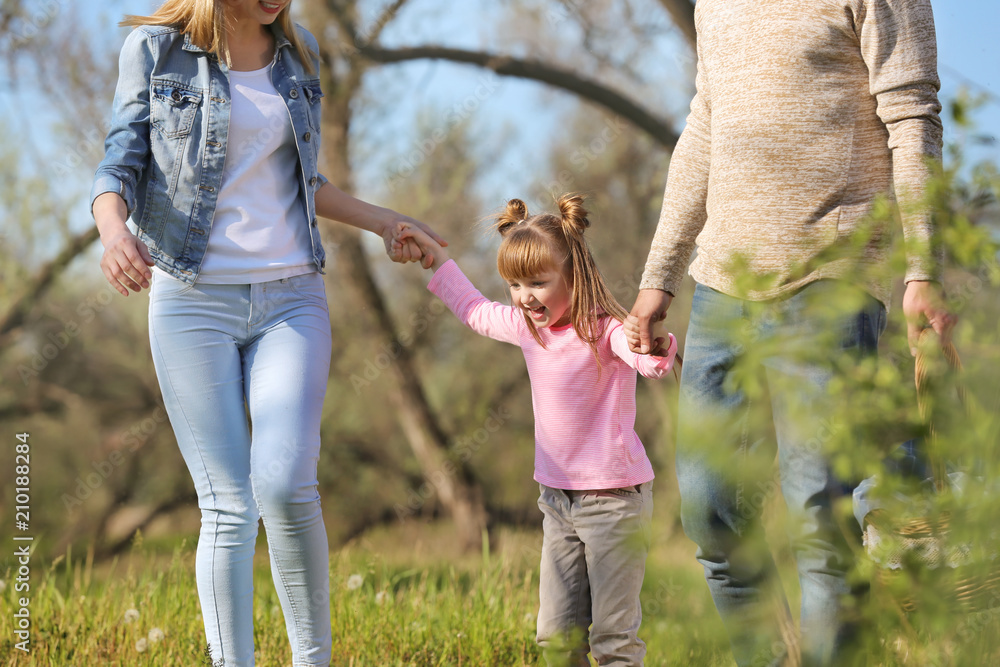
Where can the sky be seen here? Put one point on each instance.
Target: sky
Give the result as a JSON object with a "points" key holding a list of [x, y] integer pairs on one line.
{"points": [[969, 55], [512, 116]]}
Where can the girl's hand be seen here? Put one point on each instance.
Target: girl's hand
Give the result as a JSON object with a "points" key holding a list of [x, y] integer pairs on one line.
{"points": [[405, 250], [640, 326], [433, 253], [400, 251], [126, 262]]}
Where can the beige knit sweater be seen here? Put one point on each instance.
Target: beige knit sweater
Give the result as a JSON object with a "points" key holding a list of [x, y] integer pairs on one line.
{"points": [[805, 111]]}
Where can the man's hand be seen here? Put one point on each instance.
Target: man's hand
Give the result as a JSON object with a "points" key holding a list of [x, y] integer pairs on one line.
{"points": [[924, 306], [650, 308]]}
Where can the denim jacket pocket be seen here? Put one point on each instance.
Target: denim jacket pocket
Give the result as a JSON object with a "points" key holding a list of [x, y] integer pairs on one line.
{"points": [[173, 108], [314, 94]]}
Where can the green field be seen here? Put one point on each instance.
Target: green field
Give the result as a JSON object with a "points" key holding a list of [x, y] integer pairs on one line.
{"points": [[402, 597]]}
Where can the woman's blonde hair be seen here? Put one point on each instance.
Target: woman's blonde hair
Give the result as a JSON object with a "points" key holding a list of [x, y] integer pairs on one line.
{"points": [[204, 21], [535, 244]]}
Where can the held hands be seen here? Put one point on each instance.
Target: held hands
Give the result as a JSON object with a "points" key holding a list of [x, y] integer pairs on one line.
{"points": [[925, 308], [434, 255], [126, 262], [407, 249], [641, 325]]}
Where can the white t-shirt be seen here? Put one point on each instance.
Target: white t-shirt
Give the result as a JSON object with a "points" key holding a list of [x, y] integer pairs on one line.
{"points": [[259, 232]]}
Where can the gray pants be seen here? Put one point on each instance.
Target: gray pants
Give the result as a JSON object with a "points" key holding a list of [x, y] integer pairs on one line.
{"points": [[594, 550]]}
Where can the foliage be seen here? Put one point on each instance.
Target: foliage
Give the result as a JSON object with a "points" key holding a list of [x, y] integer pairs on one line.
{"points": [[397, 600], [77, 375]]}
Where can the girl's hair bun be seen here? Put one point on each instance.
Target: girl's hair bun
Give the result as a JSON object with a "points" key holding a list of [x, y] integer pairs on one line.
{"points": [[515, 212], [574, 215]]}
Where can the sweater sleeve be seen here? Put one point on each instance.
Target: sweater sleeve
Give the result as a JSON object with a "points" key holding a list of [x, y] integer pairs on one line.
{"points": [[899, 47], [683, 213], [485, 317], [647, 365]]}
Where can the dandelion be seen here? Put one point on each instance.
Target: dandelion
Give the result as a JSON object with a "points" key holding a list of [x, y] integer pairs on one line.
{"points": [[155, 635], [381, 597], [354, 582], [131, 615], [140, 645]]}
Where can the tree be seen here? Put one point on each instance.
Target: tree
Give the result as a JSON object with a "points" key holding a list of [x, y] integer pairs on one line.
{"points": [[346, 61], [434, 437]]}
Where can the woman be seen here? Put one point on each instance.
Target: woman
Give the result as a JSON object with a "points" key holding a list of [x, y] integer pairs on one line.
{"points": [[212, 153]]}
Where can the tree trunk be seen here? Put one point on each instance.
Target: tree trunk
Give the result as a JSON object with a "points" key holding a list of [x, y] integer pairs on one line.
{"points": [[451, 480], [455, 485]]}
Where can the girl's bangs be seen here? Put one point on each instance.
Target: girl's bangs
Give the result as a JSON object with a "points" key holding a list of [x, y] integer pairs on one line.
{"points": [[525, 253]]}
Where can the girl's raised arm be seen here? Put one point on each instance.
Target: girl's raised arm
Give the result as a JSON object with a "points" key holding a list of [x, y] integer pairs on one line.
{"points": [[450, 284]]}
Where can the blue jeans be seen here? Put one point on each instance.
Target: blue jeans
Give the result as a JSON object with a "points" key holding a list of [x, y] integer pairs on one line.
{"points": [[243, 370], [594, 546], [779, 355]]}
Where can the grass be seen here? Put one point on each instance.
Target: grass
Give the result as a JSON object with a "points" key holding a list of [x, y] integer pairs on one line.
{"points": [[399, 597]]}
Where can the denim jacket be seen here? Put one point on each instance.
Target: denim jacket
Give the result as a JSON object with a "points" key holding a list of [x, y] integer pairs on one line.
{"points": [[166, 148]]}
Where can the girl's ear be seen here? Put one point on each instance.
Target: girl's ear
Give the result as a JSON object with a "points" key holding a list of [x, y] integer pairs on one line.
{"points": [[515, 212]]}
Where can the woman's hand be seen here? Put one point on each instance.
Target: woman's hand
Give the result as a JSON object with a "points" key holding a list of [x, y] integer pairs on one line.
{"points": [[126, 259], [403, 248], [334, 203], [434, 254], [126, 262]]}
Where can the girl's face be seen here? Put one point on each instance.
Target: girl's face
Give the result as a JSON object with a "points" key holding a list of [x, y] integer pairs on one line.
{"points": [[258, 11], [545, 297]]}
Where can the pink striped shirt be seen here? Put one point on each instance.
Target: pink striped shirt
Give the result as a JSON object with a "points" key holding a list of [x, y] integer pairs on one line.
{"points": [[584, 422]]}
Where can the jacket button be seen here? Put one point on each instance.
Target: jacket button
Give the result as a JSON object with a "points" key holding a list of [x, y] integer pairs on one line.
{"points": [[314, 222], [294, 93], [313, 181], [175, 96], [307, 136]]}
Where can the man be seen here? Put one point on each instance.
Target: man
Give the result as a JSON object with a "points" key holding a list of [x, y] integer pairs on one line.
{"points": [[805, 111]]}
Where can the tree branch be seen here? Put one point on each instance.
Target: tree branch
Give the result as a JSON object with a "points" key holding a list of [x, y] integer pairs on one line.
{"points": [[383, 19], [682, 14], [180, 499], [596, 93], [16, 314]]}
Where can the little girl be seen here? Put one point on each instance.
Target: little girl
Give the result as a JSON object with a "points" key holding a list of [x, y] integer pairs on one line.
{"points": [[594, 476]]}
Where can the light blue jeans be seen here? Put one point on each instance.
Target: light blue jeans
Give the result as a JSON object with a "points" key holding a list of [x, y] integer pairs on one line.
{"points": [[243, 370], [756, 376], [594, 546]]}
